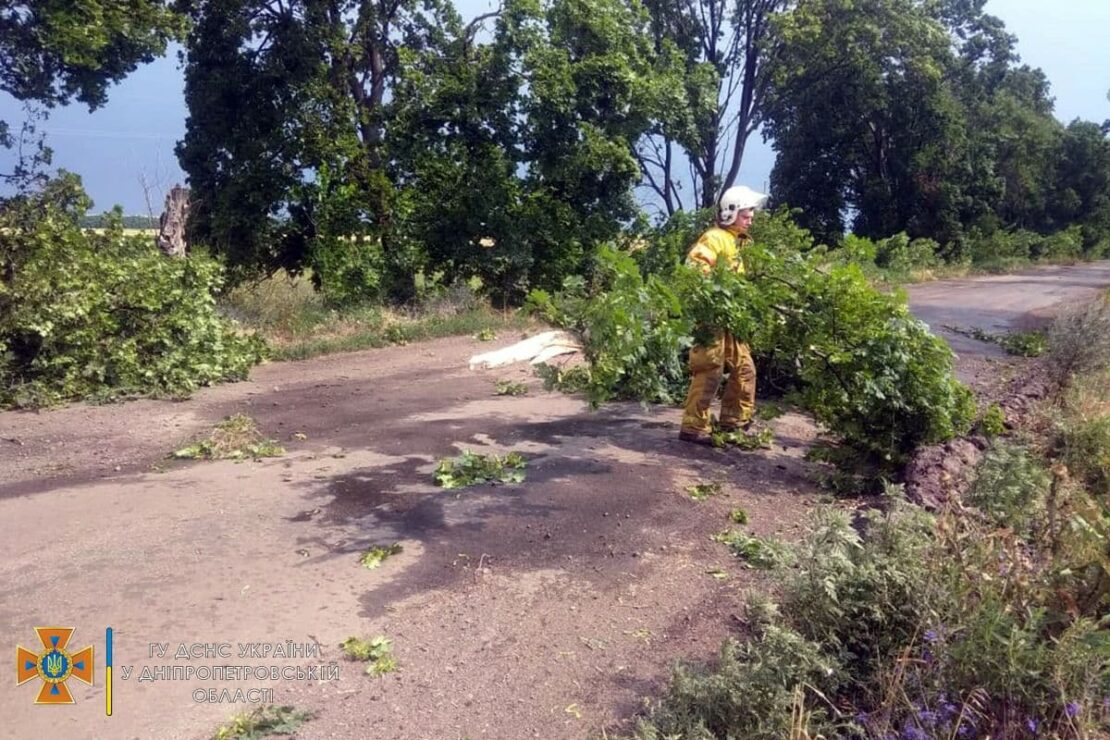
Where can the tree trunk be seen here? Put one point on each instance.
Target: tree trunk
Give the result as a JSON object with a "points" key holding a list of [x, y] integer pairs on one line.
{"points": [[171, 226]]}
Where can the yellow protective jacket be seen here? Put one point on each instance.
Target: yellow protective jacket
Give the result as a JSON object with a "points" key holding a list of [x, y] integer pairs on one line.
{"points": [[717, 244]]}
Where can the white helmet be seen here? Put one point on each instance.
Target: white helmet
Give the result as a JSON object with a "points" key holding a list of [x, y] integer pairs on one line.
{"points": [[736, 199]]}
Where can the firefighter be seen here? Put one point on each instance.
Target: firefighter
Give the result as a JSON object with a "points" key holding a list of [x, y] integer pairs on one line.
{"points": [[709, 363]]}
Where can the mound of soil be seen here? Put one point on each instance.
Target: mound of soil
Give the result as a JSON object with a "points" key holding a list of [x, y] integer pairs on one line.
{"points": [[938, 473]]}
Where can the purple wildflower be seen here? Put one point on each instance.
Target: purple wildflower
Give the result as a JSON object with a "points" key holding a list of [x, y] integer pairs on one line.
{"points": [[1032, 724], [912, 732], [931, 636], [927, 717], [1072, 709]]}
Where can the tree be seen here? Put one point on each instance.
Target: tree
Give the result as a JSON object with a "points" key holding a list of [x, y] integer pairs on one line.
{"points": [[1081, 193], [284, 144], [595, 87], [1012, 136], [350, 138], [910, 116], [727, 50], [523, 147], [861, 118], [53, 52]]}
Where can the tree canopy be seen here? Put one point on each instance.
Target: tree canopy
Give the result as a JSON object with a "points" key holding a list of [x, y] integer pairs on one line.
{"points": [[387, 134], [53, 52], [903, 115]]}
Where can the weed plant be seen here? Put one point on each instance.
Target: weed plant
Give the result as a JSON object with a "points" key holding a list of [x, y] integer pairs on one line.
{"points": [[377, 653], [755, 552], [267, 721], [702, 491], [510, 388], [923, 628], [235, 438], [756, 440], [993, 421], [738, 516], [1079, 342], [1080, 432]]}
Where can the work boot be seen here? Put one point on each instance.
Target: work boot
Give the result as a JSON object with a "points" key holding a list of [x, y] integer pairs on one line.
{"points": [[744, 427], [696, 437]]}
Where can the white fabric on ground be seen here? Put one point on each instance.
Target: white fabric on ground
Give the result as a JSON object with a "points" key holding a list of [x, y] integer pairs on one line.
{"points": [[535, 350]]}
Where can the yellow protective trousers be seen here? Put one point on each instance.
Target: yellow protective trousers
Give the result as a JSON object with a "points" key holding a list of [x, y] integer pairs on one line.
{"points": [[707, 365]]}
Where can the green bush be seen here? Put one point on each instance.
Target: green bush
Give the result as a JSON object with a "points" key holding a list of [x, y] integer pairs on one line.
{"points": [[87, 314], [901, 255], [749, 693], [1099, 249], [859, 249], [1010, 487], [1064, 244], [993, 421], [998, 248], [347, 270], [896, 255], [344, 253], [1023, 343], [862, 599]]}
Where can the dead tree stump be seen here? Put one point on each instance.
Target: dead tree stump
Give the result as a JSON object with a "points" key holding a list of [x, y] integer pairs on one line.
{"points": [[171, 226]]}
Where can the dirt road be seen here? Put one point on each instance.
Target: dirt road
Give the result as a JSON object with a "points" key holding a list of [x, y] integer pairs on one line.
{"points": [[997, 303], [548, 609]]}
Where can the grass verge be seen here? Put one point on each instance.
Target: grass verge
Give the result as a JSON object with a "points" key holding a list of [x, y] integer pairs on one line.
{"points": [[398, 331], [297, 324]]}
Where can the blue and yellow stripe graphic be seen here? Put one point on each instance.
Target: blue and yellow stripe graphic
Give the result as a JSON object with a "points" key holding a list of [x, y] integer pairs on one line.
{"points": [[108, 672]]}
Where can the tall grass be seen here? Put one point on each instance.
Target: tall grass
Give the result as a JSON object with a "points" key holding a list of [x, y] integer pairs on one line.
{"points": [[298, 324]]}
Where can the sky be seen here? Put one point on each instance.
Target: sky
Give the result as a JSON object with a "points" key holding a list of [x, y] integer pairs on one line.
{"points": [[124, 151]]}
